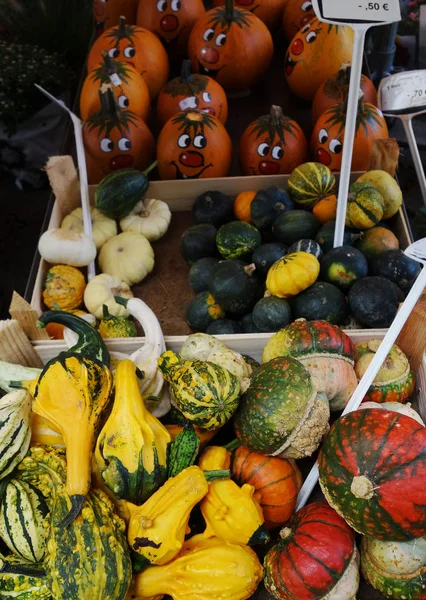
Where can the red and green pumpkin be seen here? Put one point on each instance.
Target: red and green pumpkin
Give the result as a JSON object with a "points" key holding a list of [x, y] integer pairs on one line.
{"points": [[329, 131], [372, 469], [316, 557], [115, 139], [232, 46], [137, 46], [297, 14], [268, 11], [272, 145], [107, 13], [192, 91], [316, 53]]}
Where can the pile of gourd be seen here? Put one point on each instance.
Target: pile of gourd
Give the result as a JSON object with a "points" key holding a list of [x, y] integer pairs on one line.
{"points": [[97, 494], [267, 257]]}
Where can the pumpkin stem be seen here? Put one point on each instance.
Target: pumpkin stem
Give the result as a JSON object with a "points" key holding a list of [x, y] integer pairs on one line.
{"points": [[276, 116], [344, 74], [361, 487], [285, 533], [233, 445], [217, 475], [110, 65], [108, 101], [122, 28], [229, 11], [250, 269], [185, 72]]}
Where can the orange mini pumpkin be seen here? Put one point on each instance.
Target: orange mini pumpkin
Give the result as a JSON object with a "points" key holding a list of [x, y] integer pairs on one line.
{"points": [[192, 145], [189, 92], [272, 145], [115, 139], [171, 20], [296, 14], [335, 89], [137, 46], [107, 13], [242, 206], [129, 88], [268, 11], [329, 131], [316, 53], [231, 45]]}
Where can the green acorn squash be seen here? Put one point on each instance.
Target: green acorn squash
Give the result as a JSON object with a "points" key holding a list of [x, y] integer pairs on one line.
{"points": [[214, 208], [238, 239], [202, 311], [266, 255], [224, 327], [325, 236], [198, 242], [343, 266], [322, 301], [268, 205], [248, 325], [294, 226], [271, 313], [373, 302], [199, 274], [309, 246], [397, 267], [235, 286]]}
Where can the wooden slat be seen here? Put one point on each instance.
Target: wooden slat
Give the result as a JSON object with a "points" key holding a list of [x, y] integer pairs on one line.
{"points": [[27, 317], [15, 347]]}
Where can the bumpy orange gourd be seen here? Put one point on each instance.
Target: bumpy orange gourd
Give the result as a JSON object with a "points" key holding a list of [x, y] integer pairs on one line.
{"points": [[296, 14], [316, 53], [64, 287], [193, 145], [136, 46], [231, 45], [272, 145], [268, 11]]}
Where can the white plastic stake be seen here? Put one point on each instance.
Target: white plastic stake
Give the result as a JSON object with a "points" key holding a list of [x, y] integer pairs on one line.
{"points": [[360, 15], [81, 159]]}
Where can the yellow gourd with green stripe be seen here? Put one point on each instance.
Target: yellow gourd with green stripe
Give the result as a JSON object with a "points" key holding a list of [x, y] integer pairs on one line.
{"points": [[365, 206], [292, 274], [311, 182]]}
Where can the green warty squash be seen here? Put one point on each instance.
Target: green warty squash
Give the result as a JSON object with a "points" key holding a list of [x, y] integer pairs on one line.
{"points": [[20, 580]]}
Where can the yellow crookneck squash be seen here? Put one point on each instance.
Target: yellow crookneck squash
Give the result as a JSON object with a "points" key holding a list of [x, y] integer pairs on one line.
{"points": [[231, 513], [132, 448], [71, 393]]}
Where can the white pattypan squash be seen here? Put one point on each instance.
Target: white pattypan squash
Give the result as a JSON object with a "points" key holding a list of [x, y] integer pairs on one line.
{"points": [[101, 290], [128, 256], [103, 227], [150, 217], [64, 247]]}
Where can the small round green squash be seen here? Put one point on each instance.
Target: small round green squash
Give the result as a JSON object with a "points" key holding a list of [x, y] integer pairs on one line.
{"points": [[198, 242], [397, 267], [235, 286], [214, 208], [267, 205], [238, 239], [322, 301], [309, 246], [271, 314], [343, 266], [248, 325], [266, 255], [294, 226], [203, 310], [325, 236], [223, 327], [199, 273], [373, 302]]}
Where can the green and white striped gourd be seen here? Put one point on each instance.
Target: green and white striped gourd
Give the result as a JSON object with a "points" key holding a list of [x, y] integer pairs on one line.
{"points": [[20, 580], [23, 511], [15, 432]]}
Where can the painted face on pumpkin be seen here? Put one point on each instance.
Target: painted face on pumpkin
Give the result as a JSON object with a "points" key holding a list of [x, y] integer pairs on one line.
{"points": [[306, 13], [169, 26], [201, 101], [306, 36], [270, 155], [328, 147]]}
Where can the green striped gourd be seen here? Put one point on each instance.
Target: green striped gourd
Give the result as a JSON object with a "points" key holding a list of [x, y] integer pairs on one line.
{"points": [[205, 393], [89, 559], [309, 183], [23, 511], [184, 450], [20, 580], [15, 432]]}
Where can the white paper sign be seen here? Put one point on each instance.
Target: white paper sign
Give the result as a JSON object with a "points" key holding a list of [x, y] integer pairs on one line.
{"points": [[115, 79], [403, 92], [383, 11], [188, 103]]}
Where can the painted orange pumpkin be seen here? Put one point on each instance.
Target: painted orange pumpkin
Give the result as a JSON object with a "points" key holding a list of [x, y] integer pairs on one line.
{"points": [[107, 13], [191, 145], [115, 139], [297, 14], [189, 92], [316, 53], [268, 11], [231, 45], [335, 89], [129, 88], [171, 20], [329, 131], [272, 145], [136, 46]]}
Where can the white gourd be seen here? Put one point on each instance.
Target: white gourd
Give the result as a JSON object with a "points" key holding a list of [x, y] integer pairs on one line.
{"points": [[103, 227], [150, 218], [404, 409], [128, 256], [64, 247], [101, 290]]}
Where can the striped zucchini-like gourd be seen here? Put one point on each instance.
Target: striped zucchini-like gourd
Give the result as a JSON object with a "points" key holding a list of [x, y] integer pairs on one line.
{"points": [[184, 450], [311, 182], [309, 246], [22, 581], [90, 558], [23, 511], [15, 432]]}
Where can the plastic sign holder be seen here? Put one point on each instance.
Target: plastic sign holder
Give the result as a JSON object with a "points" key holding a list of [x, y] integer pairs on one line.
{"points": [[403, 96], [82, 168], [360, 15]]}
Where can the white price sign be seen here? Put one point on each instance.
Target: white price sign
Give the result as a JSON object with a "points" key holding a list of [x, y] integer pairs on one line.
{"points": [[349, 11], [115, 79], [403, 93]]}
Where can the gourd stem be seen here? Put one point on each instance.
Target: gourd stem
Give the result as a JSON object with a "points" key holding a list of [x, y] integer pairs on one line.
{"points": [[122, 27], [77, 501], [122, 301], [233, 445], [229, 11], [110, 65], [250, 269], [109, 107], [275, 117], [217, 474], [185, 73], [150, 168], [105, 311]]}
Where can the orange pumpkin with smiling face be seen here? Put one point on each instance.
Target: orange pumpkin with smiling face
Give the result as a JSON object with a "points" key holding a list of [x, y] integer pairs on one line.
{"points": [[268, 11], [296, 14], [272, 145], [230, 45], [107, 13], [189, 92], [136, 46], [328, 134], [171, 20], [316, 53], [193, 145], [115, 139]]}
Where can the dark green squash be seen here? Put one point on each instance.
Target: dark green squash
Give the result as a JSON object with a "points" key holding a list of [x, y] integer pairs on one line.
{"points": [[397, 267], [325, 236], [198, 242], [199, 273], [309, 246], [183, 451], [322, 301], [271, 314], [294, 226], [266, 255], [375, 241], [268, 205], [235, 286], [343, 266], [203, 310], [214, 208], [248, 325], [224, 327], [238, 240], [373, 302], [251, 361]]}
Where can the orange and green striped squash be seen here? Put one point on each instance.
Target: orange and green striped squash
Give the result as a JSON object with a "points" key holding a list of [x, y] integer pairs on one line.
{"points": [[311, 182]]}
